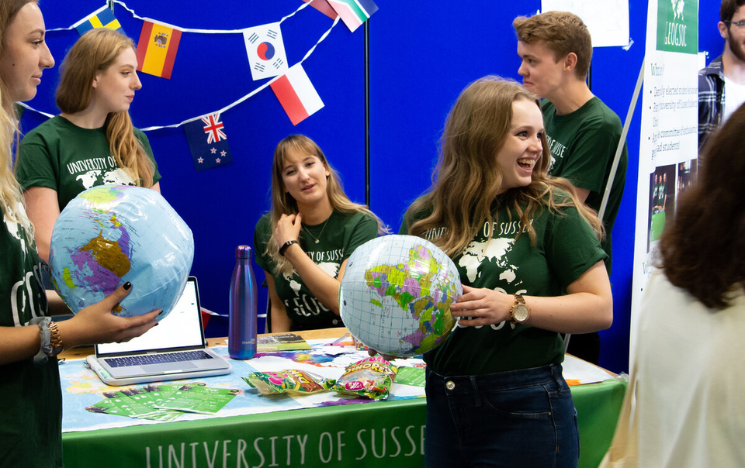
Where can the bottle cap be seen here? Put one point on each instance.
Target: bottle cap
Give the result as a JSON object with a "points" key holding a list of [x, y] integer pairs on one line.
{"points": [[243, 251]]}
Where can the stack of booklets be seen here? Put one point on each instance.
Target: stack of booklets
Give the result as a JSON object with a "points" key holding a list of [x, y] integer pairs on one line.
{"points": [[282, 342]]}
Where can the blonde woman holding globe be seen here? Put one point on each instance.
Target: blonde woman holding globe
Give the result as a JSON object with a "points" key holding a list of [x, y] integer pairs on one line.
{"points": [[31, 419]]}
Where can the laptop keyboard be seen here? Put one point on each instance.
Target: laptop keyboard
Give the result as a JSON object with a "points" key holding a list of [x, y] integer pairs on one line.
{"points": [[144, 359]]}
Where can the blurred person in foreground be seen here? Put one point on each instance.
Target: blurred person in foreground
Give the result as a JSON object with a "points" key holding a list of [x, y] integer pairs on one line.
{"points": [[689, 348]]}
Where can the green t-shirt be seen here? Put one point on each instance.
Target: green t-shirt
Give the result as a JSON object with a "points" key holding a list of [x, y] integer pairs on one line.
{"points": [[583, 145], [337, 237], [661, 194], [565, 248], [31, 418], [69, 159]]}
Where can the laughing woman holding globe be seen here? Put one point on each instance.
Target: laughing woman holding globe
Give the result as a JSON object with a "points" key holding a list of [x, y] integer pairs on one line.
{"points": [[304, 242], [31, 419], [92, 142], [531, 266]]}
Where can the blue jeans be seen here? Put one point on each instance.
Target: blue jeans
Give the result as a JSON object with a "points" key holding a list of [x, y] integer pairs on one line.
{"points": [[522, 418]]}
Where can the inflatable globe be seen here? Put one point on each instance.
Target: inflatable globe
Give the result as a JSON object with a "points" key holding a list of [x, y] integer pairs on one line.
{"points": [[109, 235], [396, 293]]}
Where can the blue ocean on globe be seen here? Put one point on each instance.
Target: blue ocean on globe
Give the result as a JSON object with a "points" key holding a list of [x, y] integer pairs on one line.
{"points": [[396, 293], [109, 235]]}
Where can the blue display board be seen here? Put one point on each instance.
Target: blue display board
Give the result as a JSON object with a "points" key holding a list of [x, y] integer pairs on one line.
{"points": [[421, 55]]}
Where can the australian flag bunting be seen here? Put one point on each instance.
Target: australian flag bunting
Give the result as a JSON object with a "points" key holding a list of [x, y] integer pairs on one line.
{"points": [[208, 142]]}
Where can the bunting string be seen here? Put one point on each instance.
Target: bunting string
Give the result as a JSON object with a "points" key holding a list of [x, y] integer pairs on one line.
{"points": [[204, 31]]}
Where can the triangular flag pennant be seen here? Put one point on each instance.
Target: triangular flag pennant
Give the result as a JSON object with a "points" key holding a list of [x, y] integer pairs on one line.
{"points": [[297, 94], [266, 51], [157, 48], [208, 142], [354, 12], [101, 18], [324, 7]]}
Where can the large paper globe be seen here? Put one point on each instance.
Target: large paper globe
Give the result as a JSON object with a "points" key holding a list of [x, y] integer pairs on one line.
{"points": [[396, 293], [109, 235]]}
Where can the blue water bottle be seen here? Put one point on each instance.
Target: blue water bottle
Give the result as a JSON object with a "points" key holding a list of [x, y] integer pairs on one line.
{"points": [[242, 333]]}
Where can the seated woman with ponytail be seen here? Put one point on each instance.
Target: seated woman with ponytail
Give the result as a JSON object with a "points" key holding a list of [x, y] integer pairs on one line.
{"points": [[92, 142]]}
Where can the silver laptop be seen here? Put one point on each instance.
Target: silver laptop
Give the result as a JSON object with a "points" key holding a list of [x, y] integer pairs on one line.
{"points": [[175, 349]]}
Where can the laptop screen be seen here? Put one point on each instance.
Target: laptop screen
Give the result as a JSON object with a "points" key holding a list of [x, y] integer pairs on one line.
{"points": [[180, 329]]}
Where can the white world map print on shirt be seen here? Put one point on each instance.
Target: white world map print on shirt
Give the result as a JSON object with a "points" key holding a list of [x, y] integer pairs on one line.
{"points": [[495, 251], [115, 177], [328, 267]]}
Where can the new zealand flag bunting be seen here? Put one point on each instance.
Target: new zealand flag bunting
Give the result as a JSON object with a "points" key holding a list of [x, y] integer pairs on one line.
{"points": [[208, 142]]}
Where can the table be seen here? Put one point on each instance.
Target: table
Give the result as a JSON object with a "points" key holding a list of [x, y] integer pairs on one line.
{"points": [[387, 433]]}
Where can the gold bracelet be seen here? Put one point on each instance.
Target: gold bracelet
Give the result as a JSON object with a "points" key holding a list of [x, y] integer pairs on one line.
{"points": [[56, 339]]}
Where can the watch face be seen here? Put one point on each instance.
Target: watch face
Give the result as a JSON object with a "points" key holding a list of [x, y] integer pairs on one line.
{"points": [[521, 312]]}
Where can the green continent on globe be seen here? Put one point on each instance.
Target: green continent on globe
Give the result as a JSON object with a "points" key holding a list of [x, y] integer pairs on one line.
{"points": [[411, 285], [100, 197]]}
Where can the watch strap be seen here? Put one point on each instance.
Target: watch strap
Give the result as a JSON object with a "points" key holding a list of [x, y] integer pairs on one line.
{"points": [[285, 246]]}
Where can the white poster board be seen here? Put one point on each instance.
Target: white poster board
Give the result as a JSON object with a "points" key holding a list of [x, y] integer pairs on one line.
{"points": [[607, 20], [669, 130]]}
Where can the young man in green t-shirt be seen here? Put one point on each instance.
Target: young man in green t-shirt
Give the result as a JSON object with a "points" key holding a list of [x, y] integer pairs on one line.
{"points": [[582, 132]]}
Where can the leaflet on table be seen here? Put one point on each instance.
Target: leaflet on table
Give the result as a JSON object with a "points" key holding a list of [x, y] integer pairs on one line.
{"points": [[164, 402], [198, 398]]}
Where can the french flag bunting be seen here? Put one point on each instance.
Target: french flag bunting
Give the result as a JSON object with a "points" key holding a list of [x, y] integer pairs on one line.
{"points": [[208, 142], [297, 94]]}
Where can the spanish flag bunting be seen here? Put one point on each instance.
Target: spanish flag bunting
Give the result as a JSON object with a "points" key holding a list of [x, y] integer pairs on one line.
{"points": [[101, 18], [157, 48]]}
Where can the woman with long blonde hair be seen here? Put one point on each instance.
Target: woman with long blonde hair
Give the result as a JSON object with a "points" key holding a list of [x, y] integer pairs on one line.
{"points": [[92, 142], [304, 242], [531, 265], [31, 419]]}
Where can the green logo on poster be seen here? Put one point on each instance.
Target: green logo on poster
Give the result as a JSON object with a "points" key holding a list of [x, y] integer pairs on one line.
{"points": [[677, 26]]}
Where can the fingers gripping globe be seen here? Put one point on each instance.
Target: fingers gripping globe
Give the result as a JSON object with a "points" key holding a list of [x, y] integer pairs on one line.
{"points": [[396, 293], [109, 235]]}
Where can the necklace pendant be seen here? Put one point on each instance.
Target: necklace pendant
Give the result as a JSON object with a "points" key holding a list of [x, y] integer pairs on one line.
{"points": [[317, 241]]}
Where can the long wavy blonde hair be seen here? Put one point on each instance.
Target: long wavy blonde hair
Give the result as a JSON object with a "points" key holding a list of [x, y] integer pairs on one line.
{"points": [[467, 179], [94, 53], [284, 203], [11, 196]]}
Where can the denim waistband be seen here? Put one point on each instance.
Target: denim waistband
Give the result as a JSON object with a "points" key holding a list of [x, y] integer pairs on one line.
{"points": [[466, 384]]}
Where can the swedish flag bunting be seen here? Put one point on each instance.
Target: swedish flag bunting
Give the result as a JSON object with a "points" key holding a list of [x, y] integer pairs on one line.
{"points": [[101, 18]]}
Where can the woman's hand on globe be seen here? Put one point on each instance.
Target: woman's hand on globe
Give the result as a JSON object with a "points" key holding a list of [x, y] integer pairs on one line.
{"points": [[96, 324], [482, 307], [288, 228]]}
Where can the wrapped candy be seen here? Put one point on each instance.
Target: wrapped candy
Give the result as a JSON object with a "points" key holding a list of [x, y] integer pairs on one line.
{"points": [[290, 381], [371, 377]]}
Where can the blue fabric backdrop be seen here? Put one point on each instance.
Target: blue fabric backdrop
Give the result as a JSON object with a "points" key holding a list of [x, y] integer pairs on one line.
{"points": [[420, 57]]}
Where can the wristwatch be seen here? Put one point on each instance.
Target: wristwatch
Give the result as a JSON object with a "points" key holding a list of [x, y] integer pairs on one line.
{"points": [[519, 312]]}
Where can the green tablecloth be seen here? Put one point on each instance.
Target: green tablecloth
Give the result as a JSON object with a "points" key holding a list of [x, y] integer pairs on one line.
{"points": [[384, 434]]}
